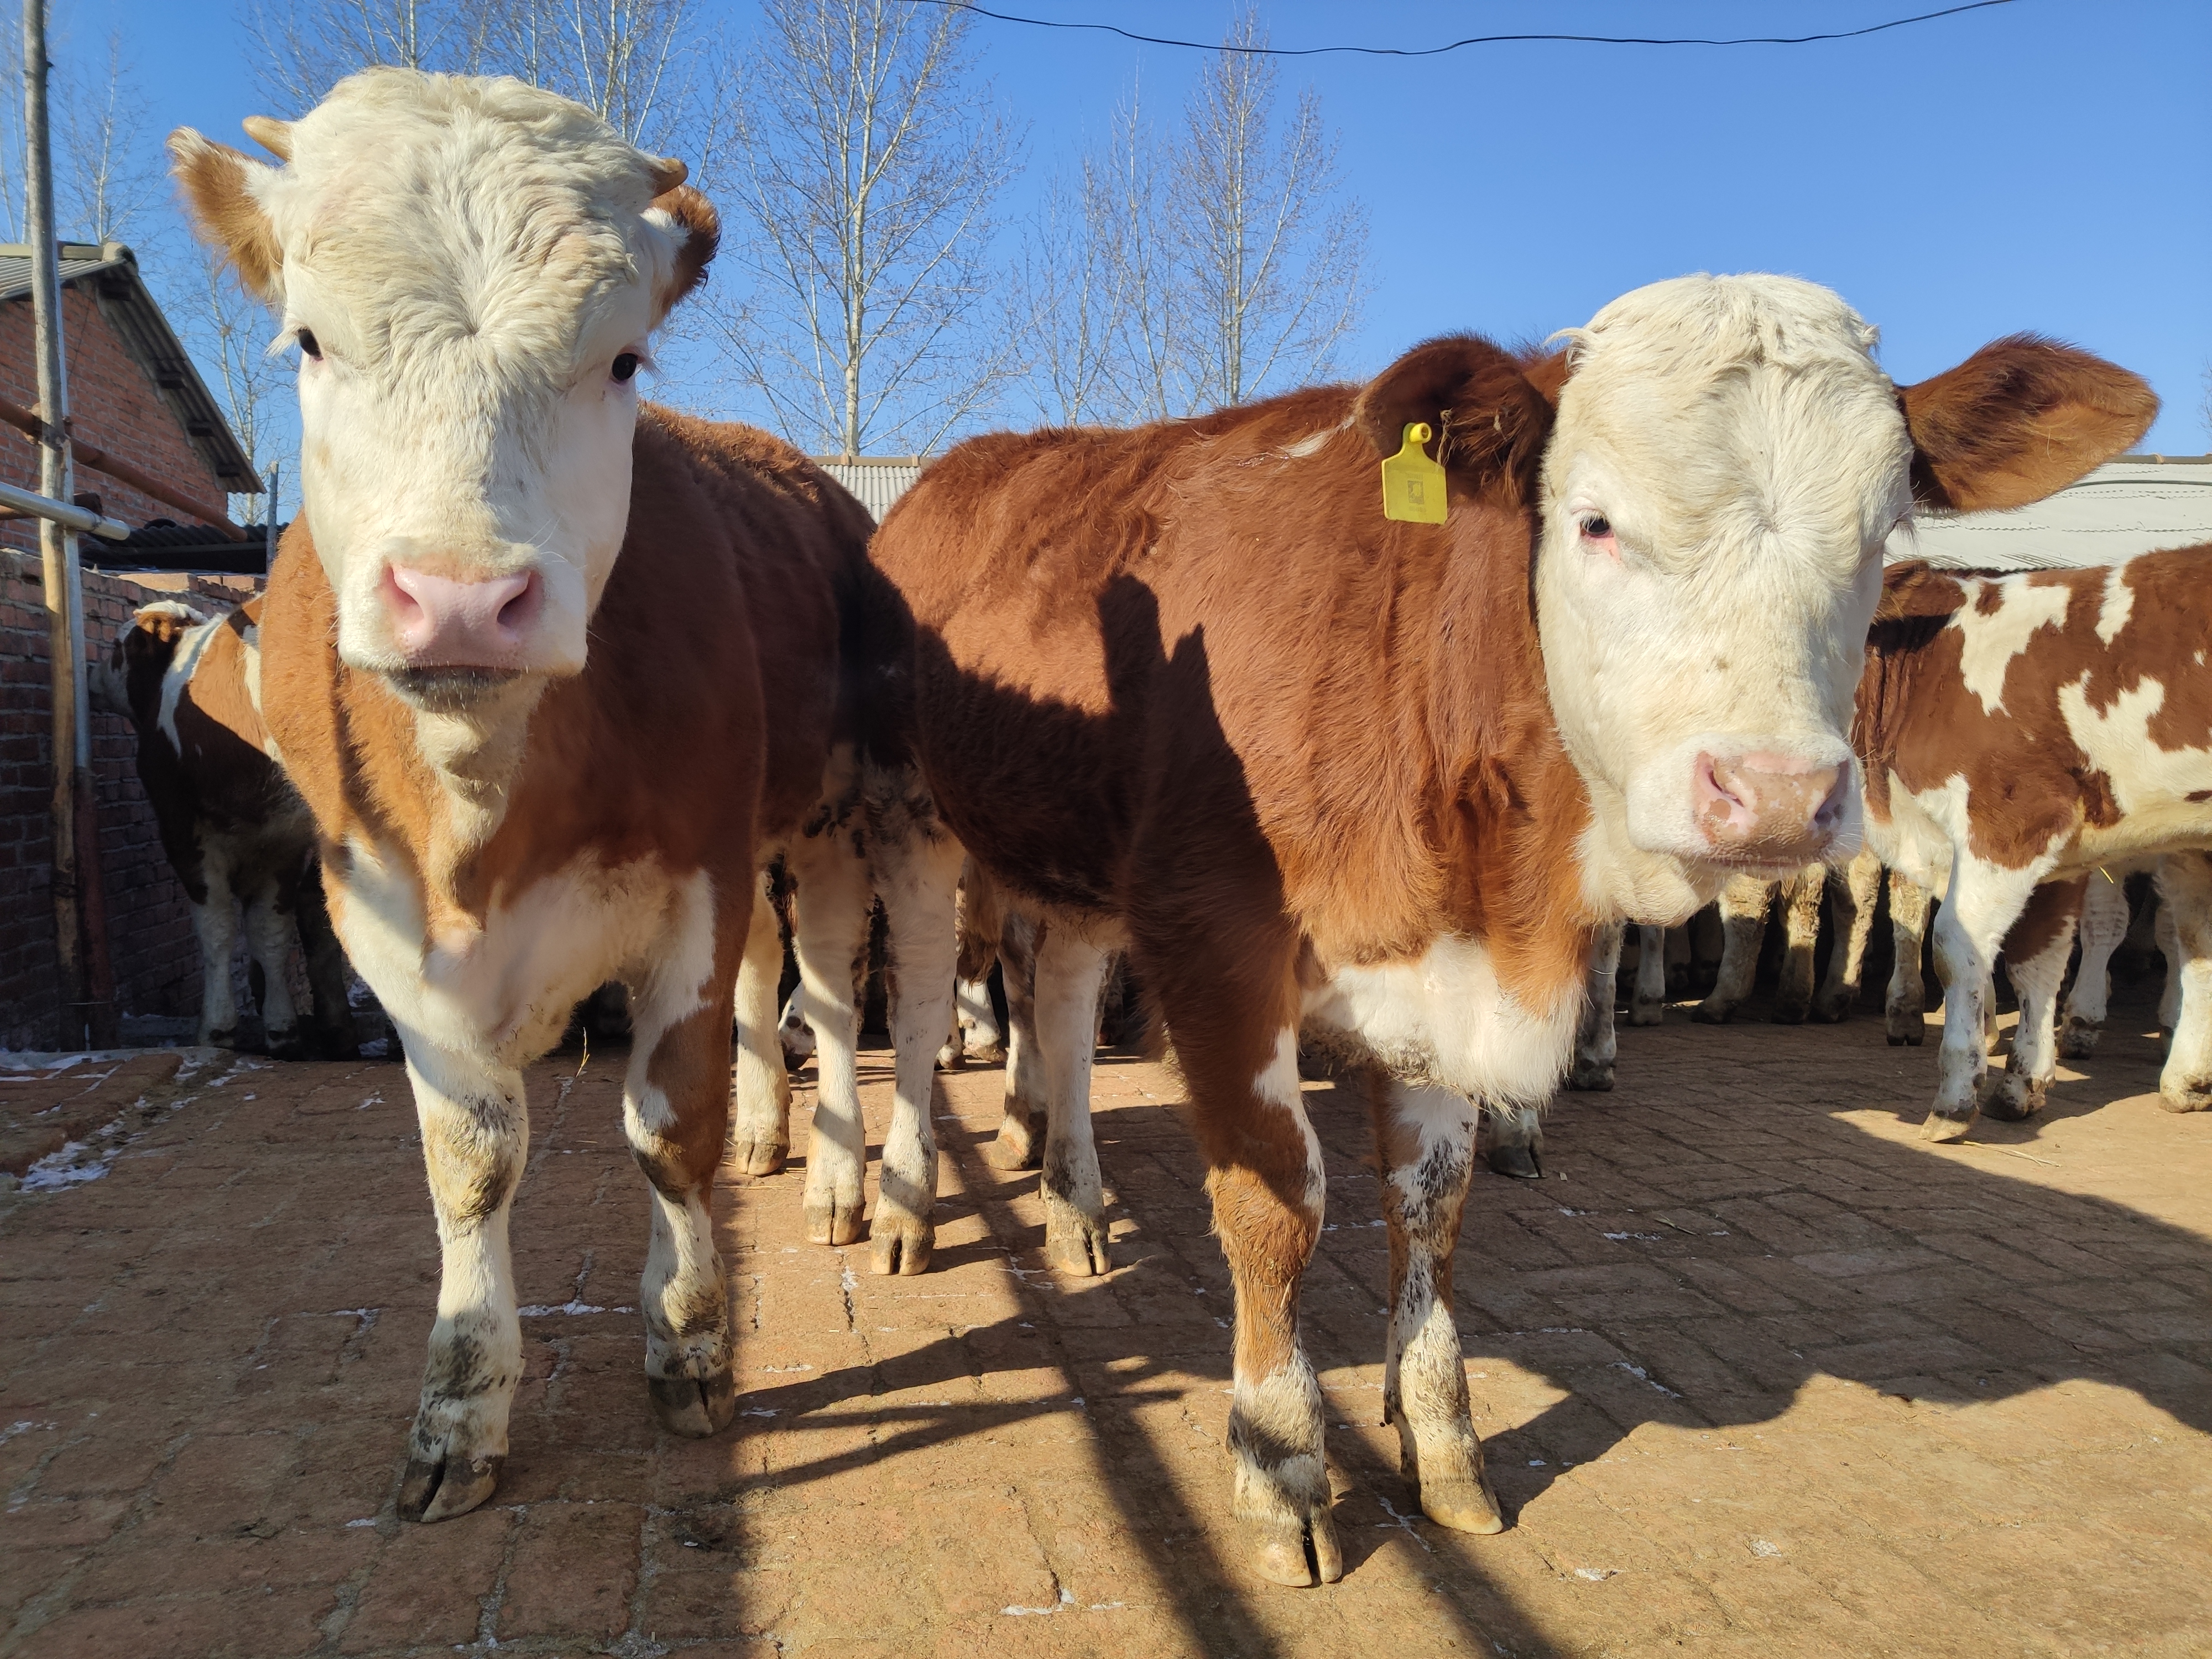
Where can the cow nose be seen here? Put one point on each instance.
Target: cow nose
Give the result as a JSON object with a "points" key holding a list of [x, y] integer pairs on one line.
{"points": [[437, 621], [1768, 807]]}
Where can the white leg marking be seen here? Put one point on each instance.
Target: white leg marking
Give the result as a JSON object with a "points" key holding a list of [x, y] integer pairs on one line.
{"points": [[1985, 900], [1071, 973], [760, 1128], [2185, 881], [832, 941]]}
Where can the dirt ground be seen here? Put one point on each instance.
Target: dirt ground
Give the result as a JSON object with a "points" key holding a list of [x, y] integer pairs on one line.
{"points": [[1759, 1373]]}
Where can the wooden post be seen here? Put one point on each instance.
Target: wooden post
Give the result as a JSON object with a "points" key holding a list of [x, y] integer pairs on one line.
{"points": [[89, 1017]]}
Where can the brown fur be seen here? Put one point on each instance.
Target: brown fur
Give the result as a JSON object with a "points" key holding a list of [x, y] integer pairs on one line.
{"points": [[224, 212]]}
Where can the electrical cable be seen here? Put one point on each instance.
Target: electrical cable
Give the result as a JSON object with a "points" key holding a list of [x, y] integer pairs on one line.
{"points": [[1472, 39]]}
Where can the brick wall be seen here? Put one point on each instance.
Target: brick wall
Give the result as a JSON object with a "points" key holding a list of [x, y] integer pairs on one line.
{"points": [[156, 957], [112, 404]]}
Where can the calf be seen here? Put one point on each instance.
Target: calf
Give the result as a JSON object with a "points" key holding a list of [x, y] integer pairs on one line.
{"points": [[552, 669], [235, 832], [1185, 688], [2017, 730]]}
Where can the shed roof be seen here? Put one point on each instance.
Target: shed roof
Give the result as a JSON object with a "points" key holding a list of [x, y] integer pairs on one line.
{"points": [[876, 481], [110, 271], [2126, 507]]}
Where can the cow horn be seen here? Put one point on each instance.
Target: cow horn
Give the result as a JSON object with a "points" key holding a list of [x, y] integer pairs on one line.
{"points": [[272, 134], [667, 173]]}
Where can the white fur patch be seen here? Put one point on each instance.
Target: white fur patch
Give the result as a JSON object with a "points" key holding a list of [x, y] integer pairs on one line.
{"points": [[2118, 604], [1989, 642], [1278, 1084], [192, 645]]}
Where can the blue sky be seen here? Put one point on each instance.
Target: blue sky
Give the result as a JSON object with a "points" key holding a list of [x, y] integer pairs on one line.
{"points": [[2045, 165]]}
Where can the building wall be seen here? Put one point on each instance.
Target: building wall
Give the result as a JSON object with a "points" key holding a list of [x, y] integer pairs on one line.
{"points": [[157, 970], [112, 404]]}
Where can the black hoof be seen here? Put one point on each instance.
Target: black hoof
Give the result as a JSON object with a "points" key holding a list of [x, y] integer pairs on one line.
{"points": [[692, 1407], [438, 1491], [1519, 1162]]}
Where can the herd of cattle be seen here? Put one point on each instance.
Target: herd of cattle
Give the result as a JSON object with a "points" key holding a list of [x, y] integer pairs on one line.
{"points": [[549, 677]]}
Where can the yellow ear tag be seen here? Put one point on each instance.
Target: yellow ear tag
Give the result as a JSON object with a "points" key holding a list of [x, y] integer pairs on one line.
{"points": [[1412, 485]]}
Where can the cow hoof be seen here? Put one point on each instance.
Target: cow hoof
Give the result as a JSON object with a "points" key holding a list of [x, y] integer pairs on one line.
{"points": [[900, 1243], [289, 1044], [1831, 1010], [2195, 1097], [2011, 1098], [833, 1220], [1786, 1013], [1461, 1503], [1591, 1076], [1943, 1127], [1075, 1244], [2077, 1039], [693, 1407], [989, 1053], [1285, 1552], [758, 1155], [1647, 1013], [951, 1058], [1709, 1012], [1519, 1162], [1906, 1030], [439, 1490], [1016, 1146]]}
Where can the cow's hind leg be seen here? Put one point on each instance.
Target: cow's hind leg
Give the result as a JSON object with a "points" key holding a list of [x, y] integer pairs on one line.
{"points": [[2185, 886], [269, 932], [918, 876], [1904, 1009], [760, 1129], [1801, 934], [1071, 976], [476, 1130], [2035, 953], [1743, 922], [215, 919], [1020, 1143], [1513, 1141], [676, 1111], [2104, 928], [1596, 1044], [1425, 1140], [1984, 901], [1852, 893], [832, 946]]}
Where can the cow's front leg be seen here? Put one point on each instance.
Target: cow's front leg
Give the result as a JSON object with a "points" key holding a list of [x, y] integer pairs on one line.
{"points": [[1801, 936], [2167, 934], [2104, 928], [1852, 892], [1743, 903], [760, 1128], [269, 932], [1648, 1007], [475, 1132], [831, 942], [2184, 884], [1596, 1045], [676, 1111], [1513, 1141], [1425, 1138], [1904, 1008], [2035, 953], [1071, 976], [327, 972], [215, 920], [1983, 900], [918, 876], [1020, 1143]]}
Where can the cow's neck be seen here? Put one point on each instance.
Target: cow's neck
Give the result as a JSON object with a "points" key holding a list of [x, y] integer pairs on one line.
{"points": [[475, 757]]}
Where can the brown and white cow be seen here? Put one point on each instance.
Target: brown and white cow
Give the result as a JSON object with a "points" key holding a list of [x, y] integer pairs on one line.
{"points": [[2020, 730], [1185, 688], [235, 832], [552, 668]]}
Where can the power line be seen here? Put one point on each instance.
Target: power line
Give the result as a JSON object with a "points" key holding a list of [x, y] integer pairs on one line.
{"points": [[1472, 39]]}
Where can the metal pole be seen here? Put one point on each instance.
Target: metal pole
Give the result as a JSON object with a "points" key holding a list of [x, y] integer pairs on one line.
{"points": [[79, 950]]}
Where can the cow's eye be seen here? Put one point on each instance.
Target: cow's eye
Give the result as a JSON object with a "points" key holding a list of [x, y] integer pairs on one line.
{"points": [[625, 365], [1597, 528], [309, 345]]}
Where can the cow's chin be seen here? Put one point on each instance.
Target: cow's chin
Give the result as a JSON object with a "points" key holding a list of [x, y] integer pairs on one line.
{"points": [[467, 691]]}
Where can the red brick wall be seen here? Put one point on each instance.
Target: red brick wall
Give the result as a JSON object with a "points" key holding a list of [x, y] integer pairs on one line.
{"points": [[156, 957], [112, 403]]}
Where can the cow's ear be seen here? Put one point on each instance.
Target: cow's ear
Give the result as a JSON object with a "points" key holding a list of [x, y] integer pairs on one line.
{"points": [[2022, 418], [698, 229], [1494, 421], [219, 186]]}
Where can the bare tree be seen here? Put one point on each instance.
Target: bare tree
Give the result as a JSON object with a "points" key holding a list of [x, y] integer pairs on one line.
{"points": [[871, 165], [228, 329], [111, 185], [307, 46]]}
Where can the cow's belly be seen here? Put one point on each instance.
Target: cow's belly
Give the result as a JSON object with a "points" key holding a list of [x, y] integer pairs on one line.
{"points": [[504, 994], [1443, 1019]]}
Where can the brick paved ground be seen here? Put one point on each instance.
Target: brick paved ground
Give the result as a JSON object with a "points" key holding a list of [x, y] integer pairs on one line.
{"points": [[1760, 1374]]}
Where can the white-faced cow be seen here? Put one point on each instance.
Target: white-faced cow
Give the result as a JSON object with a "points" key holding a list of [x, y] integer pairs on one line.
{"points": [[2024, 729], [236, 833], [552, 669], [1185, 688]]}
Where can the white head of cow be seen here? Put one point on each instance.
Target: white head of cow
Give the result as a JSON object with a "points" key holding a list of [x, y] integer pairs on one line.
{"points": [[1716, 462], [471, 269]]}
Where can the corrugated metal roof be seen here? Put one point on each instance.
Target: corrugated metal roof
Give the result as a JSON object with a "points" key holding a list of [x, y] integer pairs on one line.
{"points": [[876, 481], [110, 270], [2126, 507]]}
